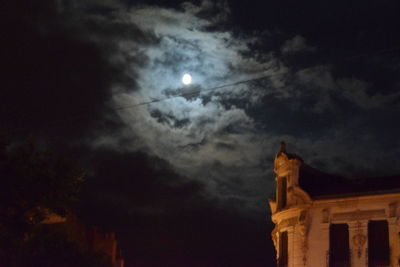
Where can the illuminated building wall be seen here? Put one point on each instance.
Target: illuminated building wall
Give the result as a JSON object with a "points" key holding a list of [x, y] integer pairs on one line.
{"points": [[325, 220]]}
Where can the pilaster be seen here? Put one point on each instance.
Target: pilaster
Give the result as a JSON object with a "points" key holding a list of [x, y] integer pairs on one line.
{"points": [[291, 246], [323, 260], [300, 245], [394, 239]]}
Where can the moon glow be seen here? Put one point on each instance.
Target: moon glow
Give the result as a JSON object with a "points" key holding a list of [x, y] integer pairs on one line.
{"points": [[186, 79]]}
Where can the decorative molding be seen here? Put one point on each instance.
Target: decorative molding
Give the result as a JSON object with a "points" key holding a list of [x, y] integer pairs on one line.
{"points": [[359, 239], [288, 222], [346, 203], [392, 209], [303, 216], [325, 215], [358, 215], [281, 165], [303, 229]]}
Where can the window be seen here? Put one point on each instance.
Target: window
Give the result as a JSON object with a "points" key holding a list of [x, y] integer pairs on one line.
{"points": [[378, 244], [283, 250], [282, 187], [339, 252]]}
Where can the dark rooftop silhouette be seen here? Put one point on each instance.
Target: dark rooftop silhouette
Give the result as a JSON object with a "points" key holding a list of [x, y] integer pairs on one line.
{"points": [[320, 185]]}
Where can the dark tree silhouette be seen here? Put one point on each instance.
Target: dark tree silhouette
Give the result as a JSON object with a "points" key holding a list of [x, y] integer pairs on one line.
{"points": [[34, 183]]}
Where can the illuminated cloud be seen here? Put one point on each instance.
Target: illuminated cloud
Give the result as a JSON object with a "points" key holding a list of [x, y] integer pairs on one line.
{"points": [[196, 133], [226, 138]]}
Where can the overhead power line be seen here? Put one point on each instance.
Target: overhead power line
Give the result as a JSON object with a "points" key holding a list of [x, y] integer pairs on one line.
{"points": [[80, 115], [195, 92], [391, 49]]}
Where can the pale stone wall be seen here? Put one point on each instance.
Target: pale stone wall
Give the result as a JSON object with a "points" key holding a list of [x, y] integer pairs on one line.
{"points": [[357, 212], [309, 240], [307, 221]]}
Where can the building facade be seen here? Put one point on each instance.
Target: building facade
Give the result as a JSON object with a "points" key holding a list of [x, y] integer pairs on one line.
{"points": [[323, 220]]}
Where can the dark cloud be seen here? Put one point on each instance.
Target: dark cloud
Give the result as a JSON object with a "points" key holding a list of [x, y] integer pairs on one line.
{"points": [[57, 83], [141, 198], [295, 45], [139, 181], [81, 70]]}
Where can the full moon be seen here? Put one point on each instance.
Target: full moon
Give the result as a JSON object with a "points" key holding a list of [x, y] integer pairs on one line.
{"points": [[186, 79]]}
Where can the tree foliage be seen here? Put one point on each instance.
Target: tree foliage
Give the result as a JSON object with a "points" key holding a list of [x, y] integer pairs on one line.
{"points": [[49, 247], [34, 183]]}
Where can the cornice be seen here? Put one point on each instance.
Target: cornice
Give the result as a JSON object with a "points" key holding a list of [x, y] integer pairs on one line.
{"points": [[358, 199], [288, 213]]}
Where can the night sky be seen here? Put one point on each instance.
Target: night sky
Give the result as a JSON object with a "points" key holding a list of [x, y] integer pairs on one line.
{"points": [[185, 181]]}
